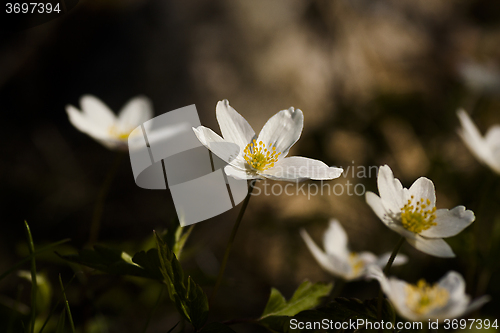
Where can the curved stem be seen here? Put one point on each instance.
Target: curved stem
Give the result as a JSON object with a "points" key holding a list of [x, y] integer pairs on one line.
{"points": [[95, 225], [231, 240], [387, 270]]}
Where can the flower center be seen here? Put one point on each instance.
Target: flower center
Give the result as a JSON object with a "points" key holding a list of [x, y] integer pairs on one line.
{"points": [[423, 298], [259, 157], [356, 263], [419, 216], [121, 135]]}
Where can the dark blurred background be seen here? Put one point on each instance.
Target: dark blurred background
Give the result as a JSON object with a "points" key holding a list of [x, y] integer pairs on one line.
{"points": [[379, 82]]}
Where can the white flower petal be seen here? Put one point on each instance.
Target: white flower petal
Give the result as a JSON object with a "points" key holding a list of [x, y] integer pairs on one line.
{"points": [[403, 231], [82, 123], [282, 130], [449, 222], [471, 134], [433, 246], [422, 188], [367, 257], [97, 112], [227, 151], [395, 290], [320, 256], [477, 145], [398, 298], [335, 240], [331, 263], [476, 304], [390, 189], [375, 272], [342, 268], [382, 260], [375, 202], [233, 126], [457, 303], [238, 173], [492, 137], [300, 168], [454, 283], [137, 111]]}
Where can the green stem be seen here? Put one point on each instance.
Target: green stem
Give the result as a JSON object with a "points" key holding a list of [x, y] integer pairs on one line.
{"points": [[387, 271], [231, 240], [66, 303], [33, 277], [55, 306], [95, 225]]}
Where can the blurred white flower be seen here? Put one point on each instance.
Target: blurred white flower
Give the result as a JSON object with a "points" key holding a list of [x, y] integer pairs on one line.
{"points": [[412, 213], [263, 156], [99, 122], [338, 260], [487, 148], [479, 77], [445, 299]]}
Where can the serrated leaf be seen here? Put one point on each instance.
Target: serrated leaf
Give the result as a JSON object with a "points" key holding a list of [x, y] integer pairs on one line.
{"points": [[150, 262], [216, 328], [117, 262], [190, 300], [307, 296]]}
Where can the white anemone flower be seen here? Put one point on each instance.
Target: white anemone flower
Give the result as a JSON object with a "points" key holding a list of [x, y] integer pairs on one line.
{"points": [[487, 148], [339, 260], [412, 213], [262, 156], [445, 299], [99, 122]]}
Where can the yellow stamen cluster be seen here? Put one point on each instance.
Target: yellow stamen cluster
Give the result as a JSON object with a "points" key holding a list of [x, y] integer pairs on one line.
{"points": [[121, 135], [356, 263], [423, 298], [419, 216], [259, 157]]}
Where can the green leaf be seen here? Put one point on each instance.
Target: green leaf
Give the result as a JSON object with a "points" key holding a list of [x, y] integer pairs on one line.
{"points": [[150, 262], [190, 300], [216, 328], [307, 296], [340, 310], [142, 264]]}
